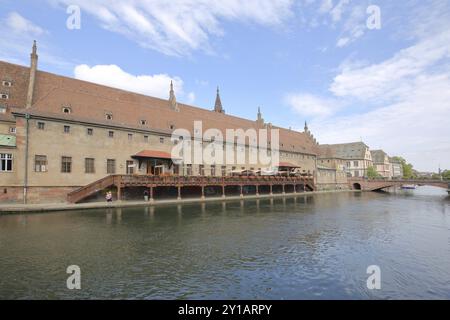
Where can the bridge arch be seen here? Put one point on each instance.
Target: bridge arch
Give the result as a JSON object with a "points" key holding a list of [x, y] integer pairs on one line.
{"points": [[357, 186]]}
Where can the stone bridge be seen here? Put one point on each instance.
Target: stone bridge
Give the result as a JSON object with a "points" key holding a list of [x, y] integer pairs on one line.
{"points": [[379, 184]]}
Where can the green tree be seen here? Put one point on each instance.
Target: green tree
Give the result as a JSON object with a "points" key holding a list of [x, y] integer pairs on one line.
{"points": [[408, 169], [446, 175], [372, 173]]}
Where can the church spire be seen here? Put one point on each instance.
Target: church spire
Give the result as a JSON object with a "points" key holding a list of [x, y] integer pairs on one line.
{"points": [[260, 119], [172, 99], [218, 105], [306, 127], [32, 79]]}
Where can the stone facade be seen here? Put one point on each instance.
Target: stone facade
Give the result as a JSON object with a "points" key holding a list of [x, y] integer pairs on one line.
{"points": [[70, 133], [396, 168], [353, 158], [382, 164]]}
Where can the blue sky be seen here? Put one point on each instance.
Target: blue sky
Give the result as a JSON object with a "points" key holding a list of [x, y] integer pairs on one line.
{"points": [[313, 60]]}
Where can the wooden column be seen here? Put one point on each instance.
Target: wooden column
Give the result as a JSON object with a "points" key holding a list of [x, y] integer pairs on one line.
{"points": [[119, 188], [284, 192], [295, 188], [151, 194], [241, 195], [179, 193], [223, 191], [271, 189], [203, 192], [257, 190]]}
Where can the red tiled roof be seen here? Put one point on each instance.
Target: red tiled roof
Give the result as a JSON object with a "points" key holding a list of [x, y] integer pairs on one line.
{"points": [[92, 101], [153, 154]]}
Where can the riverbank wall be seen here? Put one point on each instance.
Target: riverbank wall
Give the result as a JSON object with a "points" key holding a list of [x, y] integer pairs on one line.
{"points": [[40, 208]]}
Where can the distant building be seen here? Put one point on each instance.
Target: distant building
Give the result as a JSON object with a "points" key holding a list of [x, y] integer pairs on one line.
{"points": [[396, 168], [382, 163], [331, 173], [354, 158]]}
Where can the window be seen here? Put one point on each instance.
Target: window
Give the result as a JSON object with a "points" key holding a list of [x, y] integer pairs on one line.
{"points": [[145, 138], [130, 167], [109, 116], [213, 171], [67, 110], [40, 163], [201, 170], [110, 166], [161, 140], [176, 169], [7, 83], [41, 125], [130, 136], [90, 132], [89, 165], [189, 169], [6, 164], [224, 171], [66, 129], [356, 163], [172, 127], [4, 95], [349, 164], [66, 164], [111, 134], [143, 122], [2, 109], [12, 130]]}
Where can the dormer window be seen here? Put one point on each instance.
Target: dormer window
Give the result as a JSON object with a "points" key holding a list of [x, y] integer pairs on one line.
{"points": [[143, 122], [109, 116], [4, 96], [172, 127], [67, 110], [7, 83]]}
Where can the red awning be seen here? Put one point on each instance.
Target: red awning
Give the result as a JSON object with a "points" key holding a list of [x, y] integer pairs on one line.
{"points": [[287, 165], [153, 154]]}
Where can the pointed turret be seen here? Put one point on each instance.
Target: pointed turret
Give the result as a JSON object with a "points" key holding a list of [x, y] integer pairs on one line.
{"points": [[260, 119], [172, 99], [306, 127], [218, 105], [32, 79]]}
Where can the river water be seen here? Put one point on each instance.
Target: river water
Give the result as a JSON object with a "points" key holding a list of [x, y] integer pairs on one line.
{"points": [[308, 247]]}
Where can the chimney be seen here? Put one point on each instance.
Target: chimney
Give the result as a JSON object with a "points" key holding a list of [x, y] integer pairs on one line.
{"points": [[33, 69]]}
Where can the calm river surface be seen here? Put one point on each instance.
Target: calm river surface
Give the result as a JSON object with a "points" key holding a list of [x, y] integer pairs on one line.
{"points": [[314, 247]]}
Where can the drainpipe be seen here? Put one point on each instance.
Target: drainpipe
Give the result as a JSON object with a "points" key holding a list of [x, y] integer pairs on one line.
{"points": [[25, 182]]}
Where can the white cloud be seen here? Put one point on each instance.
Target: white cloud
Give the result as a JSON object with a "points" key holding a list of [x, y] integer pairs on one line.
{"points": [[310, 105], [342, 42], [337, 11], [191, 97], [18, 34], [415, 127], [326, 6], [178, 27], [20, 25], [408, 100], [114, 76], [393, 77]]}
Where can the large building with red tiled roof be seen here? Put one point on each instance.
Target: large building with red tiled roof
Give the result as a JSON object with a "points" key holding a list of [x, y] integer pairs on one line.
{"points": [[66, 133]]}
